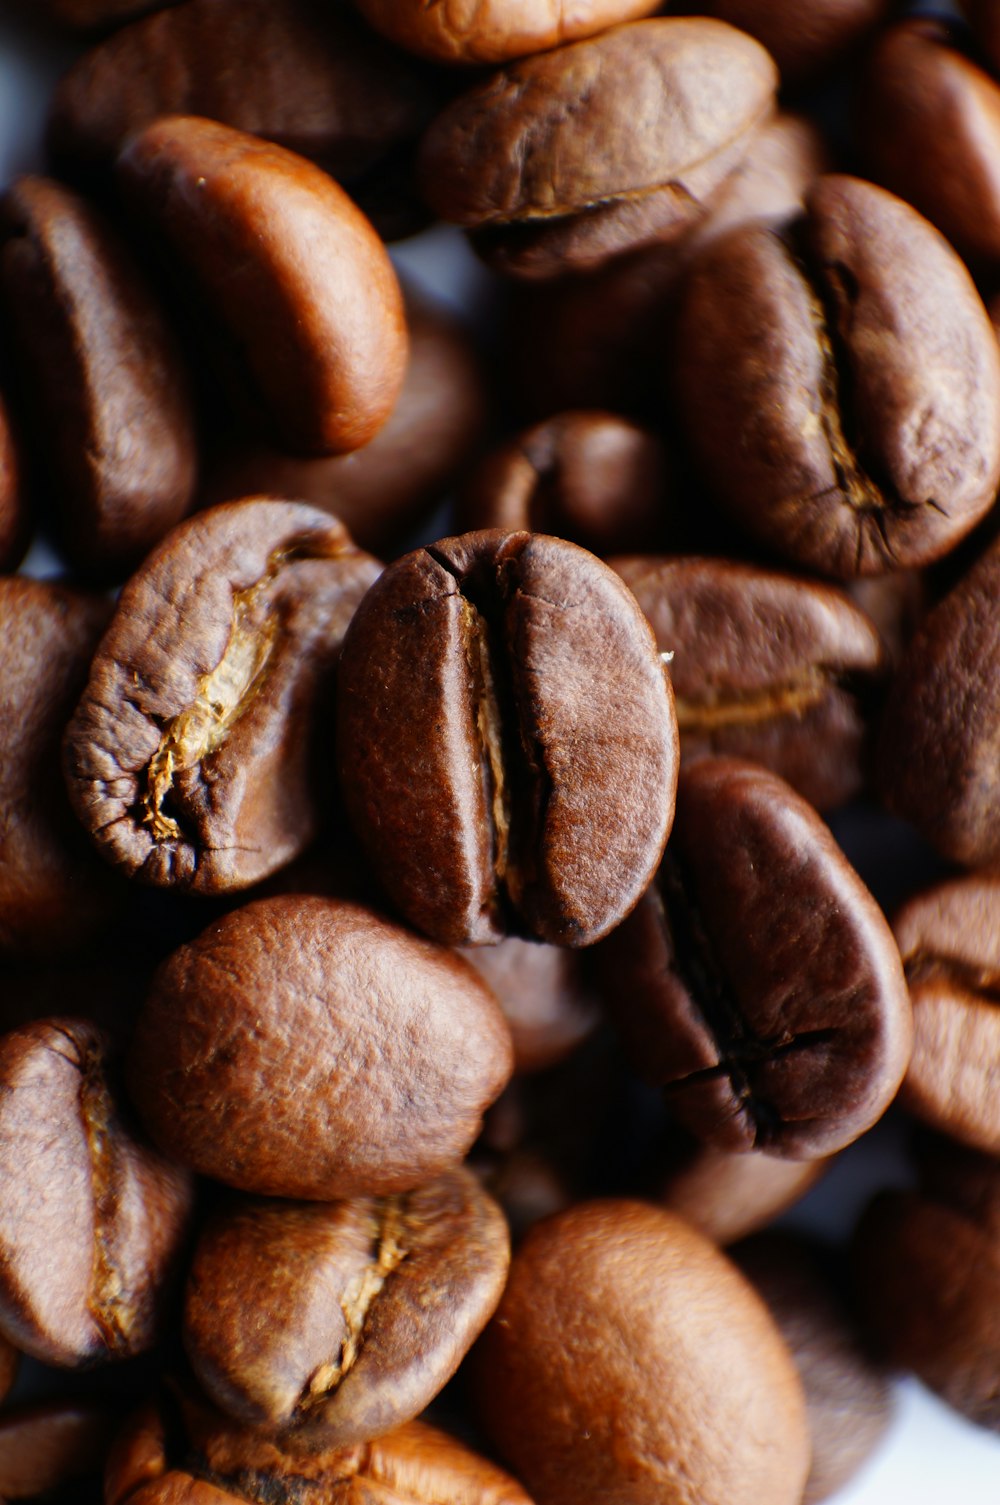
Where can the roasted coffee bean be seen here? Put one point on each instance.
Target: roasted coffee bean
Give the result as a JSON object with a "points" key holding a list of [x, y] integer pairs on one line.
{"points": [[757, 979], [930, 129], [379, 492], [157, 1461], [597, 341], [782, 671], [927, 1266], [53, 891], [849, 1403], [727, 1195], [949, 939], [507, 741], [111, 414], [330, 1323], [548, 187], [193, 757], [303, 73], [617, 1321], [45, 1447], [895, 605], [321, 339], [302, 1047], [545, 995], [936, 757], [841, 384], [91, 1220], [591, 477], [473, 32], [802, 39], [14, 523]]}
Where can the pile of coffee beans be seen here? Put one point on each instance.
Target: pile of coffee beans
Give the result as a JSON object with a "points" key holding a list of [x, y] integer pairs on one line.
{"points": [[428, 962]]}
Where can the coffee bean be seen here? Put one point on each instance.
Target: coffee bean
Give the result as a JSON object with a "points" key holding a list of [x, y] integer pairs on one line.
{"points": [[546, 997], [91, 1220], [506, 740], [548, 186], [192, 758], [45, 1447], [802, 39], [617, 1321], [841, 384], [321, 339], [54, 894], [757, 979], [949, 939], [331, 1323], [727, 1195], [303, 1047], [496, 31], [781, 671], [112, 416]]}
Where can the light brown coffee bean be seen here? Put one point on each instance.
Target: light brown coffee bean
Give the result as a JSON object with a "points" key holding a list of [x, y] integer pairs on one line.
{"points": [[468, 31], [726, 1195]]}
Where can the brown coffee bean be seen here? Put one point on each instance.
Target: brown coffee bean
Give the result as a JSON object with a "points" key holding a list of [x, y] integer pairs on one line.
{"points": [[191, 758], [596, 341], [617, 1321], [472, 32], [506, 740], [545, 995], [949, 939], [331, 1323], [802, 39], [936, 756], [548, 186], [91, 1220], [727, 1195], [379, 492], [757, 979], [927, 1266], [849, 1402], [895, 605], [159, 1460], [302, 1047], [930, 127], [591, 477], [112, 418], [764, 666], [321, 338], [53, 891], [45, 1447], [14, 521], [842, 387], [303, 73]]}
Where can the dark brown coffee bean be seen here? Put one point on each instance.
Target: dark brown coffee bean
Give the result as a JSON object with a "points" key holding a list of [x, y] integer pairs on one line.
{"points": [[302, 73], [545, 996], [302, 1047], [331, 1323], [596, 341], [202, 1461], [112, 417], [849, 1402], [45, 1447], [766, 667], [617, 1321], [192, 757], [91, 1220], [497, 30], [895, 605], [322, 337], [507, 742], [937, 764], [802, 39], [842, 387], [930, 129], [53, 892], [380, 491], [549, 186], [949, 939], [727, 1195], [14, 522], [757, 979], [591, 477], [927, 1267]]}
